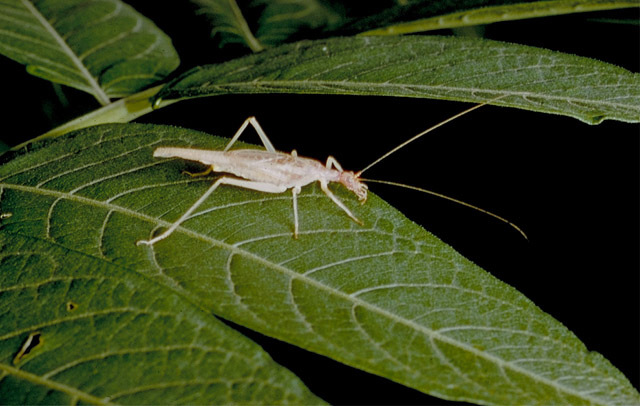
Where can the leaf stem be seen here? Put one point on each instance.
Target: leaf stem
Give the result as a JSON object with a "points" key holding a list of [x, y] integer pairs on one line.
{"points": [[121, 111]]}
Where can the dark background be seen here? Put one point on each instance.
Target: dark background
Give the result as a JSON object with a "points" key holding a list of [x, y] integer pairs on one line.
{"points": [[572, 187]]}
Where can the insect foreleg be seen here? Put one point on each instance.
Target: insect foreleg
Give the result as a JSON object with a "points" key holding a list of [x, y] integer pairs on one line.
{"points": [[295, 191], [325, 189], [333, 163], [263, 136], [246, 184]]}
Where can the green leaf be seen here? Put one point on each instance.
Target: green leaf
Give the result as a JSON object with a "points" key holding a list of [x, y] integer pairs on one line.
{"points": [[228, 23], [420, 16], [281, 20], [448, 68], [278, 20], [386, 297], [103, 47], [77, 327]]}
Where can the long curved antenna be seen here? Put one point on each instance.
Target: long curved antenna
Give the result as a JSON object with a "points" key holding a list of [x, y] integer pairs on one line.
{"points": [[428, 130], [386, 182]]}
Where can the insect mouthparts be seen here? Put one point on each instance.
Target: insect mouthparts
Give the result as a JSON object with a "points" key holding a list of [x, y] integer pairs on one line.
{"points": [[351, 181]]}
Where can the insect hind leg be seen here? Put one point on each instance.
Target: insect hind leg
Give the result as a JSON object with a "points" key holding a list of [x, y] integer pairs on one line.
{"points": [[246, 184]]}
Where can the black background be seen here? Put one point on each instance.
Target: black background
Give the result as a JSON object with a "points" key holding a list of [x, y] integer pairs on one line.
{"points": [[572, 187]]}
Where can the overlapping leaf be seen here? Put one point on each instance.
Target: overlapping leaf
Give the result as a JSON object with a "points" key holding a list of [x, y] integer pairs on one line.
{"points": [[432, 67], [278, 20], [79, 328], [109, 335], [386, 297], [228, 23], [283, 19], [103, 47]]}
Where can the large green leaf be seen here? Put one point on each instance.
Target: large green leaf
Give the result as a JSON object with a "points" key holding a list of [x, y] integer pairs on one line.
{"points": [[386, 297], [278, 20], [432, 67], [81, 328], [103, 47]]}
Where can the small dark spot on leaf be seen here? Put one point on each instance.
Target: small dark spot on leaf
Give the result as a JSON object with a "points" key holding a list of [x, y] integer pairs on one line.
{"points": [[71, 306], [33, 340], [157, 232]]}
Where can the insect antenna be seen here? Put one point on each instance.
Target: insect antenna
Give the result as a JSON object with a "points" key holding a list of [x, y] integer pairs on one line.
{"points": [[430, 192], [440, 195], [428, 130]]}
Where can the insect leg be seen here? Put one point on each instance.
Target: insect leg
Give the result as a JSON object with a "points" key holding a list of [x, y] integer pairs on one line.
{"points": [[332, 162], [295, 191], [246, 184], [263, 136], [199, 174], [237, 134], [325, 189]]}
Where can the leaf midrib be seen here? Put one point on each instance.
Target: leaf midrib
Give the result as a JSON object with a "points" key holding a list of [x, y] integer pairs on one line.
{"points": [[97, 90], [252, 41], [316, 284], [496, 92]]}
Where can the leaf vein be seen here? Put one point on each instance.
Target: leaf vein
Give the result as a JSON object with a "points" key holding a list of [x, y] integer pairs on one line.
{"points": [[77, 394], [97, 91], [129, 351]]}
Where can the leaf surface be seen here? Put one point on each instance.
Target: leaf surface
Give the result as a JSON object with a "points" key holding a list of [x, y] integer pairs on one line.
{"points": [[109, 335], [103, 47], [448, 68], [386, 297]]}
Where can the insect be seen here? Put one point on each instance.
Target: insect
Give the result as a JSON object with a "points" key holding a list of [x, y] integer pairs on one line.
{"points": [[271, 171]]}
